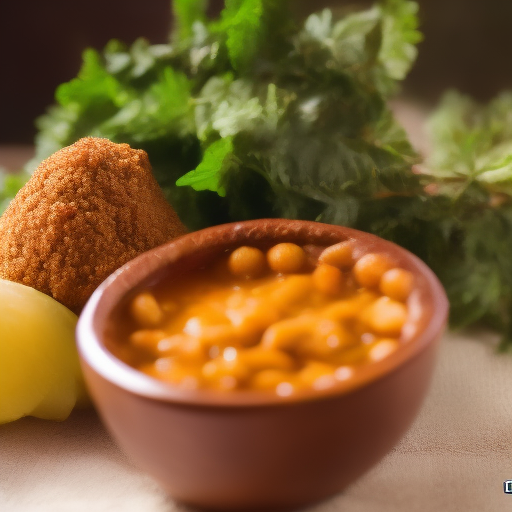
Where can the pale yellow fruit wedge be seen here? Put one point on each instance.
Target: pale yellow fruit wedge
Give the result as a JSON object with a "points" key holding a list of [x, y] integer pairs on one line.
{"points": [[39, 369]]}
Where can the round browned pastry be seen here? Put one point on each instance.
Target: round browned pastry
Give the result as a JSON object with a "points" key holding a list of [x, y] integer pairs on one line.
{"points": [[87, 210]]}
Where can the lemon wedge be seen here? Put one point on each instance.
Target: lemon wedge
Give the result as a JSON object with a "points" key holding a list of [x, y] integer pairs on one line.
{"points": [[39, 370]]}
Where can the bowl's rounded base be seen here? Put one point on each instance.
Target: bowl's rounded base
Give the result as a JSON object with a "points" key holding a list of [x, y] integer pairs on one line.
{"points": [[264, 458]]}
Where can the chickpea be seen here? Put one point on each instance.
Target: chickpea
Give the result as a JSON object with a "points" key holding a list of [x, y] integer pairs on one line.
{"points": [[258, 358], [369, 269], [248, 262], [271, 379], [291, 291], [343, 373], [167, 369], [222, 373], [285, 389], [147, 339], [288, 334], [171, 345], [338, 255], [396, 284], [349, 308], [351, 356], [146, 310], [286, 258], [251, 319], [385, 316], [328, 279], [382, 348], [187, 349], [342, 310], [326, 340], [221, 335], [315, 373]]}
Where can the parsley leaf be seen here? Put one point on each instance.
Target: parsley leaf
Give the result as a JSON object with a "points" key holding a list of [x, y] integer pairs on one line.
{"points": [[400, 35], [252, 28], [163, 109], [208, 174], [472, 142], [93, 87], [470, 174], [241, 19], [186, 13]]}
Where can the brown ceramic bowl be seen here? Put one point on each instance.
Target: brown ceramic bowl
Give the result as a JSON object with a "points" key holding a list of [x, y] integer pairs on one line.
{"points": [[249, 450]]}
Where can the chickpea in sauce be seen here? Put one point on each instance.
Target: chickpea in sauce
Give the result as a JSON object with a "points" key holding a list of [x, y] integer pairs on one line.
{"points": [[280, 320]]}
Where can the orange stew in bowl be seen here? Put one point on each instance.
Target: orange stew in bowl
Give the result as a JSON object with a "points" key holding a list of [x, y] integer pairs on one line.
{"points": [[281, 320]]}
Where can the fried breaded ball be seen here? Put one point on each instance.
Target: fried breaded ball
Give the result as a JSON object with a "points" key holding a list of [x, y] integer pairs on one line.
{"points": [[88, 209]]}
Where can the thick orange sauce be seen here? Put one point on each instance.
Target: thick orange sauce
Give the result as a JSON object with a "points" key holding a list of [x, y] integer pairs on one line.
{"points": [[282, 320]]}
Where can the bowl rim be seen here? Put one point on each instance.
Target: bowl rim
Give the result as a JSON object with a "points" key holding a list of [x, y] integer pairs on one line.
{"points": [[93, 353]]}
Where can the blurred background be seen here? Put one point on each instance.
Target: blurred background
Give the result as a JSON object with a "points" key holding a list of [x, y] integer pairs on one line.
{"points": [[467, 46]]}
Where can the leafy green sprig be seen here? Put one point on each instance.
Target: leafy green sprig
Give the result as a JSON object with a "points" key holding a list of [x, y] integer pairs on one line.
{"points": [[470, 173]]}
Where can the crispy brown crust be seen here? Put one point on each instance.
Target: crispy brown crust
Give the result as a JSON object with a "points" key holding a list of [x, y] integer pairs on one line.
{"points": [[87, 210]]}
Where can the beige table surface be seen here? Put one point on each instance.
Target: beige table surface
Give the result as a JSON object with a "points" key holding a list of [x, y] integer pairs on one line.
{"points": [[453, 459]]}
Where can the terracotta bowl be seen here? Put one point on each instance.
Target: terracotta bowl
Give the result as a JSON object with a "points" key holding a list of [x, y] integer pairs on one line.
{"points": [[249, 450]]}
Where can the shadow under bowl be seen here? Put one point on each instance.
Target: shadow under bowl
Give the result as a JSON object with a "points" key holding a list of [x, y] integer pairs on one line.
{"points": [[250, 450]]}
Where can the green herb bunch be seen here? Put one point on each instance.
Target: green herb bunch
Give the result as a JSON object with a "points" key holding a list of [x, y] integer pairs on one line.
{"points": [[469, 170], [255, 115], [251, 115]]}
